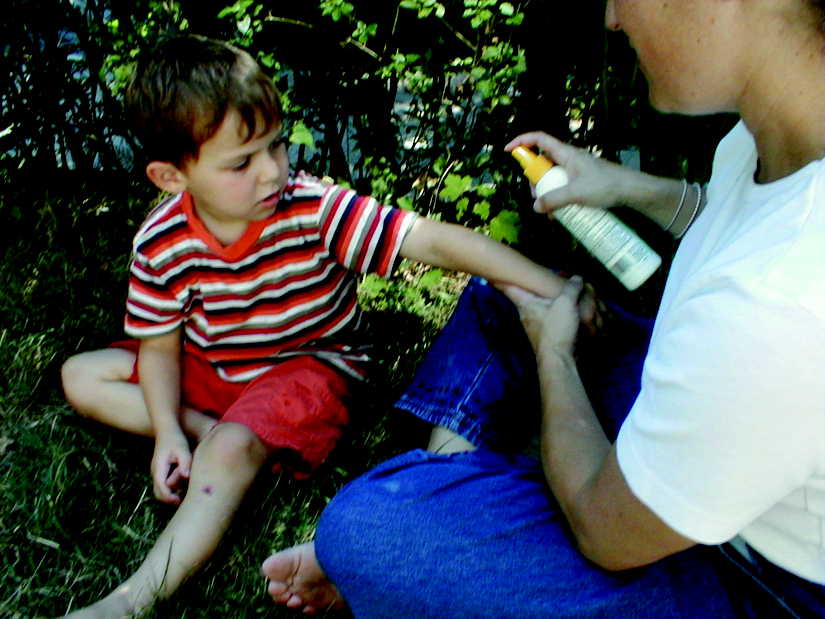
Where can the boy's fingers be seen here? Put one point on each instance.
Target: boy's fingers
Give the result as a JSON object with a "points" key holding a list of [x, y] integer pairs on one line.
{"points": [[174, 478], [165, 495], [573, 288], [518, 296]]}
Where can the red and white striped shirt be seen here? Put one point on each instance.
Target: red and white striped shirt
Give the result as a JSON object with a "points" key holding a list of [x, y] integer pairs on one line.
{"points": [[287, 287]]}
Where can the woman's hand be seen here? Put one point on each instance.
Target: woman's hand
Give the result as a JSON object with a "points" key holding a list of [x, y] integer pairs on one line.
{"points": [[551, 324], [593, 182], [170, 466]]}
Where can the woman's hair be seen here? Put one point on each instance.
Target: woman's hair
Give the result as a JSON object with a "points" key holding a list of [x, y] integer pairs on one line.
{"points": [[820, 6], [180, 94]]}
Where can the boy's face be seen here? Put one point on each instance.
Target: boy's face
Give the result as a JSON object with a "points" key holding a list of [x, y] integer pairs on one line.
{"points": [[233, 181]]}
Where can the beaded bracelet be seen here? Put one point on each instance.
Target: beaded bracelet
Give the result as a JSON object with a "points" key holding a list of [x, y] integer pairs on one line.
{"points": [[678, 208], [695, 210]]}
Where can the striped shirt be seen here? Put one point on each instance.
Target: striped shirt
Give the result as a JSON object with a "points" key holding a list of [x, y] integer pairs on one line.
{"points": [[287, 287]]}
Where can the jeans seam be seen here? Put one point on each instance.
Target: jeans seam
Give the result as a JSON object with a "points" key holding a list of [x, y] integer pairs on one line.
{"points": [[469, 391], [758, 582]]}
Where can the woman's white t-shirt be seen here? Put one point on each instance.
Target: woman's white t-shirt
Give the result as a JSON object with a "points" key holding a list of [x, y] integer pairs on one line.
{"points": [[727, 435]]}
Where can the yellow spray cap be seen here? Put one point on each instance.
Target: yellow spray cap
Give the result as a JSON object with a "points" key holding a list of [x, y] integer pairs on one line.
{"points": [[534, 165]]}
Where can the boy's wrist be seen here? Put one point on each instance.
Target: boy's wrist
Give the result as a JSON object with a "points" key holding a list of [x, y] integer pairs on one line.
{"points": [[166, 427]]}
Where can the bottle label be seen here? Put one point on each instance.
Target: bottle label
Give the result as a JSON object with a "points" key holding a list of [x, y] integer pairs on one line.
{"points": [[611, 242], [624, 254]]}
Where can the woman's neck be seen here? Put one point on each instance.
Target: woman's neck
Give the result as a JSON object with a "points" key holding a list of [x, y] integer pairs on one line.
{"points": [[783, 104]]}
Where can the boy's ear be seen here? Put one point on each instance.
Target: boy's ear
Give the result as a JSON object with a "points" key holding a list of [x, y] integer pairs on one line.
{"points": [[166, 176]]}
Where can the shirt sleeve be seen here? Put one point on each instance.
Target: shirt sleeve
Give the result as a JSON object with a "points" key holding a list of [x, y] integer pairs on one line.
{"points": [[362, 234], [729, 418], [152, 307]]}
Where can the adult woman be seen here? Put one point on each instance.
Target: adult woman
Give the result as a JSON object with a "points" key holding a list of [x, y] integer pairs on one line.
{"points": [[726, 434]]}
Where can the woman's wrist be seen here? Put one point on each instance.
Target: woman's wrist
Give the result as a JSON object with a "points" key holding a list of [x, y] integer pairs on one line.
{"points": [[554, 358], [671, 203], [693, 204]]}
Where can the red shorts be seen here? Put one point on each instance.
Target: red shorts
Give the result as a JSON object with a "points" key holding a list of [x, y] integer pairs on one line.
{"points": [[297, 405]]}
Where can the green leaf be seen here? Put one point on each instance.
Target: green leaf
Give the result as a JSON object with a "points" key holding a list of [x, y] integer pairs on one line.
{"points": [[431, 278], [300, 134], [506, 9], [405, 203], [505, 227], [454, 187], [373, 285], [482, 209]]}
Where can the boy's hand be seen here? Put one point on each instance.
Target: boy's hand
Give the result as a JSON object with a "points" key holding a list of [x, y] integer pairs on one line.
{"points": [[170, 467]]}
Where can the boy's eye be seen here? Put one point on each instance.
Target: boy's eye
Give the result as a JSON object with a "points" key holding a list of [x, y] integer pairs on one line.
{"points": [[241, 164]]}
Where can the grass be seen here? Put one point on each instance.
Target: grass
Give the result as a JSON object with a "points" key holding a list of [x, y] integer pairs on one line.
{"points": [[77, 513]]}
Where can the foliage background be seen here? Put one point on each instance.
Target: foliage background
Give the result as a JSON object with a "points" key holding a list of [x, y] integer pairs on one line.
{"points": [[408, 100]]}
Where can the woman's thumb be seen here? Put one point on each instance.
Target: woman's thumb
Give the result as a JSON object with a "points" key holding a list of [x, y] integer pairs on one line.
{"points": [[553, 199]]}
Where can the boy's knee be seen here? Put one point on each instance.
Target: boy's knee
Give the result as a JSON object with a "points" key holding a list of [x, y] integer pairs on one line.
{"points": [[71, 369], [232, 445], [74, 376]]}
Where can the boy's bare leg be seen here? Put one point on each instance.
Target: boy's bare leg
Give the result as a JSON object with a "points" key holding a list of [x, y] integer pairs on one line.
{"points": [[297, 580], [95, 384], [445, 441], [223, 466]]}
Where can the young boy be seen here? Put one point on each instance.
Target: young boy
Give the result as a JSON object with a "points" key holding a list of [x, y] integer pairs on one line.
{"points": [[242, 302]]}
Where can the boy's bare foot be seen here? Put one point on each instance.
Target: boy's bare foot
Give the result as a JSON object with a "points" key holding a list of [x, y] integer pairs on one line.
{"points": [[297, 580]]}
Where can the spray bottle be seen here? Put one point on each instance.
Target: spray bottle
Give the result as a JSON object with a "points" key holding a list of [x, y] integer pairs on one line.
{"points": [[615, 245]]}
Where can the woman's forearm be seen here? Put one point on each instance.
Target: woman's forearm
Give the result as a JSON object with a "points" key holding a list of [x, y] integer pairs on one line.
{"points": [[671, 203], [574, 445]]}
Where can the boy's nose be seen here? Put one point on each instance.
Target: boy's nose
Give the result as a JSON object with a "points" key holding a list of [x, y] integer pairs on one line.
{"points": [[270, 168]]}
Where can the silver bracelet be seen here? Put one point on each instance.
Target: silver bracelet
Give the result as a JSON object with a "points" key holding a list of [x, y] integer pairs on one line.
{"points": [[695, 210], [678, 208]]}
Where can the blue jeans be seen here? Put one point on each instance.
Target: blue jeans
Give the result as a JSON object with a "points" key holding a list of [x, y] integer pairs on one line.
{"points": [[478, 534]]}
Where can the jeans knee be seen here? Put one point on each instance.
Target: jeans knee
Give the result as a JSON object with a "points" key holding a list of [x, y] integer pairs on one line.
{"points": [[232, 445], [348, 522]]}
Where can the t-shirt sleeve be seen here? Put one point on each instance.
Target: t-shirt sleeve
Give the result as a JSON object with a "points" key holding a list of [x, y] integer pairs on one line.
{"points": [[729, 418], [362, 234], [152, 305]]}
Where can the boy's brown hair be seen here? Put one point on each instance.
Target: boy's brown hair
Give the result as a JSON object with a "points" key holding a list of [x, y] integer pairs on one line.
{"points": [[179, 95]]}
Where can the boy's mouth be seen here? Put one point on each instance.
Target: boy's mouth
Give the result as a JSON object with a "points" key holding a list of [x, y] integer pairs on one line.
{"points": [[270, 200]]}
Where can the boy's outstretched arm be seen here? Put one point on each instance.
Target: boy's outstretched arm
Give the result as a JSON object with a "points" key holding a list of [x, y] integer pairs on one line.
{"points": [[159, 369], [455, 247]]}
